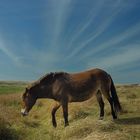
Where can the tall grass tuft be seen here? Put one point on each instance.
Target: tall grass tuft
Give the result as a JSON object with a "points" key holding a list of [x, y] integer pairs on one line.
{"points": [[7, 132]]}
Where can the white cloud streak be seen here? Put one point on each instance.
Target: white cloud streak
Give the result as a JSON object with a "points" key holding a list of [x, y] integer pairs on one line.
{"points": [[60, 15], [127, 34], [93, 13], [129, 55], [4, 48], [114, 12]]}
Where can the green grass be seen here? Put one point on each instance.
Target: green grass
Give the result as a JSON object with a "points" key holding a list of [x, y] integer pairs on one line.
{"points": [[11, 87], [83, 118]]}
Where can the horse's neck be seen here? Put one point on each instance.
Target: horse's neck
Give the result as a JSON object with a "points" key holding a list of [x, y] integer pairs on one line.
{"points": [[45, 95]]}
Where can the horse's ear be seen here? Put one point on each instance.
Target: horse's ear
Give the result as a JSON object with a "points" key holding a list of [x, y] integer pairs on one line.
{"points": [[52, 74]]}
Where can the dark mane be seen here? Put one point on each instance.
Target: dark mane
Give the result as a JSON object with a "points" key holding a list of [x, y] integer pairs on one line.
{"points": [[48, 78]]}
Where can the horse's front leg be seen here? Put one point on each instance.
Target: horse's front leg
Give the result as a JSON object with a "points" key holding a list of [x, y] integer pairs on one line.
{"points": [[65, 112], [55, 108]]}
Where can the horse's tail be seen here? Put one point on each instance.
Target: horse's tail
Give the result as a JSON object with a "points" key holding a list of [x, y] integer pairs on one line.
{"points": [[115, 98]]}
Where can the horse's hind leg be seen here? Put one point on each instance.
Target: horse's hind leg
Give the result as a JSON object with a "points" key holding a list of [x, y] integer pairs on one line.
{"points": [[109, 98], [101, 104], [65, 112], [112, 108], [55, 108]]}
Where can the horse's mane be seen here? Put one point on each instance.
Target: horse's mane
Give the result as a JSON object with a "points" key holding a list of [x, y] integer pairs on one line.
{"points": [[48, 78], [51, 76]]}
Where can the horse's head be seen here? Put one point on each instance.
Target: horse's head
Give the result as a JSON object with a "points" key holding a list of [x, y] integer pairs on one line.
{"points": [[28, 101]]}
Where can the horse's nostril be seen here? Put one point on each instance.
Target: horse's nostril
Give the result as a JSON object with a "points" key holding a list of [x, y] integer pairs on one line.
{"points": [[24, 112]]}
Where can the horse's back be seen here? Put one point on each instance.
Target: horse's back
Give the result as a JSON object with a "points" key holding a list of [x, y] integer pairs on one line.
{"points": [[92, 79], [97, 74]]}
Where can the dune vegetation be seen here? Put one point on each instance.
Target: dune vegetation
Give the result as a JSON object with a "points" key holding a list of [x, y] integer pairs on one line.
{"points": [[83, 117]]}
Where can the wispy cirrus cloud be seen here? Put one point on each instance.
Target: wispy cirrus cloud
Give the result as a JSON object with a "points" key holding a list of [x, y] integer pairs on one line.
{"points": [[122, 36], [124, 57], [6, 50], [101, 28], [59, 12], [84, 25]]}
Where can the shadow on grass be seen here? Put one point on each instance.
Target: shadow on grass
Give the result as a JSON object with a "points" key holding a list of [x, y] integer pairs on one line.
{"points": [[129, 121], [7, 132]]}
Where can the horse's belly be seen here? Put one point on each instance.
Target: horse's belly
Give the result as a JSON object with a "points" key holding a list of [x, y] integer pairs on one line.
{"points": [[80, 97]]}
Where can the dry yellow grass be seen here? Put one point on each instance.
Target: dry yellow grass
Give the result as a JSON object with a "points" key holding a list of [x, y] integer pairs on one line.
{"points": [[83, 118]]}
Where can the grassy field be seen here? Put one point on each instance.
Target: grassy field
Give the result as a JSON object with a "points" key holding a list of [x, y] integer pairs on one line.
{"points": [[11, 87], [83, 117]]}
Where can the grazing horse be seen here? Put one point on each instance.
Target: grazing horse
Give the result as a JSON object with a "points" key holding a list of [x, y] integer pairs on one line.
{"points": [[72, 87]]}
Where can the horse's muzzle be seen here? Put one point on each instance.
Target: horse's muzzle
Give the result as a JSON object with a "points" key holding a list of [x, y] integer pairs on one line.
{"points": [[24, 112]]}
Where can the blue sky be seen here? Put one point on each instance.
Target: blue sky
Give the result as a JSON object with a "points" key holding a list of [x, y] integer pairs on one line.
{"points": [[40, 36]]}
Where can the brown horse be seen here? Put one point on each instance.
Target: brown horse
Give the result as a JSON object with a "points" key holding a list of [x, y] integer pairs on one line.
{"points": [[77, 87]]}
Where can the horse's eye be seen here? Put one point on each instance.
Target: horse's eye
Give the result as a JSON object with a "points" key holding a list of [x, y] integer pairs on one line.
{"points": [[25, 95]]}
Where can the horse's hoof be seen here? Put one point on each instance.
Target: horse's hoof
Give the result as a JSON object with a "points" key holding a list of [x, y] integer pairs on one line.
{"points": [[101, 118], [115, 117], [54, 125], [67, 124]]}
